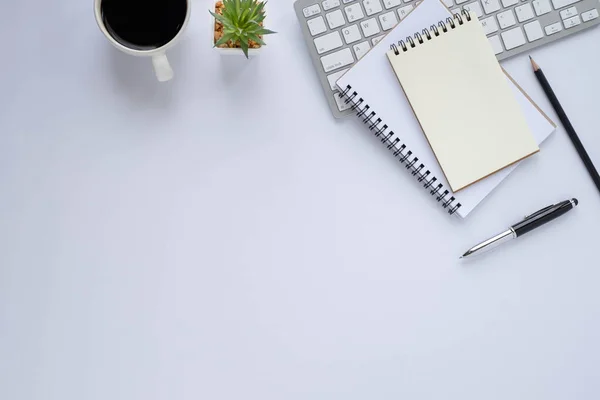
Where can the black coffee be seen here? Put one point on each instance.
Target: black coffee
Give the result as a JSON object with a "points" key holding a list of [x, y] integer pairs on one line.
{"points": [[143, 24]]}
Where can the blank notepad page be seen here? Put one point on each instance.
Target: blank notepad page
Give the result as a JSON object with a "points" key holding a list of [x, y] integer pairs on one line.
{"points": [[463, 103]]}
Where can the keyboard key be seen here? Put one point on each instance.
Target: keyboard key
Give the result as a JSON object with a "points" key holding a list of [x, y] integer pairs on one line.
{"points": [[490, 6], [448, 3], [524, 12], [361, 49], [351, 34], [372, 6], [341, 102], [541, 7], [589, 15], [508, 3], [377, 39], [553, 28], [460, 1], [489, 25], [335, 19], [506, 19], [328, 42], [391, 3], [568, 13], [533, 30], [388, 20], [316, 25], [496, 45], [329, 4], [475, 7], [403, 11], [571, 22], [347, 1], [337, 60], [563, 3], [354, 12], [333, 78], [369, 27], [513, 38], [311, 10]]}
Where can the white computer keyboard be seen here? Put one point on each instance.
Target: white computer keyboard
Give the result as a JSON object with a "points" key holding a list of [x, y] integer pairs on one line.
{"points": [[340, 32]]}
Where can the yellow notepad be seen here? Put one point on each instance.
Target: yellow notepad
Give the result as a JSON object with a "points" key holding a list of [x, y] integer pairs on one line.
{"points": [[462, 100]]}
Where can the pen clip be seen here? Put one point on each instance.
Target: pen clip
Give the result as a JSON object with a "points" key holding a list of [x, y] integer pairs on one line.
{"points": [[538, 212]]}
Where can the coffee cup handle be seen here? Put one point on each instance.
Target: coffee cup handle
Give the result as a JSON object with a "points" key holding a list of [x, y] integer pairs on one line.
{"points": [[162, 68]]}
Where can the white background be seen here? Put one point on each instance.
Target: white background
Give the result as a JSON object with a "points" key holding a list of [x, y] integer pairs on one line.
{"points": [[221, 236]]}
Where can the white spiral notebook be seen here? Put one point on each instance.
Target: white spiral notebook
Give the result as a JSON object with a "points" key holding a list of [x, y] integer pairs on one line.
{"points": [[371, 86]]}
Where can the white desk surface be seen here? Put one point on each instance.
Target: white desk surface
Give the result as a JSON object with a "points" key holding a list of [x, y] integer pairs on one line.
{"points": [[223, 237]]}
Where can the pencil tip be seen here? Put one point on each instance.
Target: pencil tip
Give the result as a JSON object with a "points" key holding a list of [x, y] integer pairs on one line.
{"points": [[534, 64]]}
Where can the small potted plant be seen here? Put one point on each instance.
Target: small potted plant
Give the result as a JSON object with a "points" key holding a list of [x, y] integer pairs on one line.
{"points": [[239, 27]]}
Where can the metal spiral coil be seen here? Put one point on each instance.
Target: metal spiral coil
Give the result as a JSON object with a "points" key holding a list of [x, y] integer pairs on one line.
{"points": [[453, 22], [399, 150], [450, 22]]}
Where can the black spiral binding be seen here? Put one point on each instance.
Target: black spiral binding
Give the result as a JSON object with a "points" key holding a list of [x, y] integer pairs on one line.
{"points": [[442, 27], [394, 143]]}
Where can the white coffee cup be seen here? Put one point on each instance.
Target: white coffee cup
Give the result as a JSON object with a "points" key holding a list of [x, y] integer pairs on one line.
{"points": [[162, 68]]}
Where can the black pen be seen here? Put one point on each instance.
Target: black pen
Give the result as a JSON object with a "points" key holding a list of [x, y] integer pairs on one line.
{"points": [[528, 224]]}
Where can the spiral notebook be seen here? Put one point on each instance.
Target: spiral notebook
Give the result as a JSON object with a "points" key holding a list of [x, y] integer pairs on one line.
{"points": [[494, 134], [371, 87]]}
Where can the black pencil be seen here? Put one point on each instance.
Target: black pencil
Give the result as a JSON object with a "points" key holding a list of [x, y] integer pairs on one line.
{"points": [[566, 123]]}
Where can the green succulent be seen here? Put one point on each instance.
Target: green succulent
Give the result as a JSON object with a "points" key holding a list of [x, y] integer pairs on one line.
{"points": [[241, 21]]}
